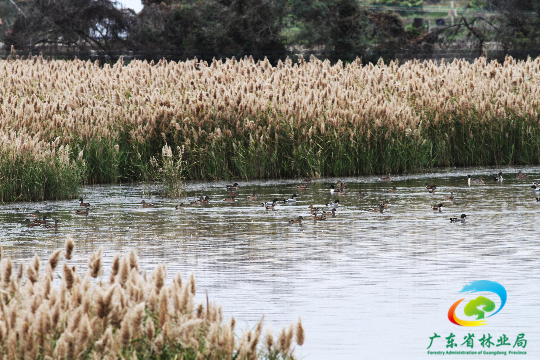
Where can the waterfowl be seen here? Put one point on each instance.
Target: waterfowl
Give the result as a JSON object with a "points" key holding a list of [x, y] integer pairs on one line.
{"points": [[296, 221], [319, 217], [253, 196], [51, 226], [392, 190], [270, 202], [535, 187], [83, 203], [35, 214], [333, 205], [537, 199], [469, 180], [498, 177], [521, 175], [179, 207], [82, 212], [205, 200], [362, 194], [195, 202], [386, 178], [229, 199], [437, 207], [147, 205], [302, 187], [292, 200], [270, 206], [313, 209], [478, 181], [330, 213], [333, 189], [460, 219], [232, 187], [341, 185], [233, 193], [379, 209], [451, 196], [385, 204], [29, 223], [430, 188], [42, 221]]}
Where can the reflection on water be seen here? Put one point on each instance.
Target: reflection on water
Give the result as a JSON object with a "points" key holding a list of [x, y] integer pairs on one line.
{"points": [[367, 285]]}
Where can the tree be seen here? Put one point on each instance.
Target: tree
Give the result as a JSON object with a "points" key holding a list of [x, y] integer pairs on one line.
{"points": [[80, 24]]}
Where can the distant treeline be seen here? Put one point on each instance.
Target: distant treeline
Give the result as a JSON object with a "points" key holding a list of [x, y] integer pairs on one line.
{"points": [[341, 29]]}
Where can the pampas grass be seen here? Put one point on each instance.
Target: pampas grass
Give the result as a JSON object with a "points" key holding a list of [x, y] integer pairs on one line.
{"points": [[240, 118], [82, 317]]}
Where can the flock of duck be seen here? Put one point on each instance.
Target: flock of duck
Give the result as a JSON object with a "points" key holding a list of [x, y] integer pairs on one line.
{"points": [[321, 213]]}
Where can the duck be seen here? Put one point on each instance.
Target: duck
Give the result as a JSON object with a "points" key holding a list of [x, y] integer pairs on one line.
{"points": [[430, 188], [253, 196], [330, 213], [537, 199], [378, 209], [319, 217], [82, 212], [437, 207], [385, 204], [29, 223], [392, 190], [270, 206], [147, 205], [35, 214], [535, 187], [302, 187], [195, 202], [232, 187], [333, 205], [521, 175], [451, 196], [296, 221], [459, 219], [179, 206], [341, 185], [229, 199], [334, 190], [313, 209], [204, 200], [42, 221], [498, 177], [83, 203], [55, 226], [362, 194], [470, 180], [386, 178], [270, 202], [292, 200]]}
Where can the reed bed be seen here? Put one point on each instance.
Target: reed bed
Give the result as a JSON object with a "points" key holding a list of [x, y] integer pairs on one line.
{"points": [[61, 314], [241, 119]]}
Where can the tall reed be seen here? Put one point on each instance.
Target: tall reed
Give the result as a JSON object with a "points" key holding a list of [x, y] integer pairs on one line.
{"points": [[48, 312], [238, 118]]}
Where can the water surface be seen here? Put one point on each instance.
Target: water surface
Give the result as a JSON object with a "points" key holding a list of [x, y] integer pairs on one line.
{"points": [[366, 285]]}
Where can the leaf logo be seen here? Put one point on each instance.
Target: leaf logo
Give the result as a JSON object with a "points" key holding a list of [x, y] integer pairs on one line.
{"points": [[479, 306]]}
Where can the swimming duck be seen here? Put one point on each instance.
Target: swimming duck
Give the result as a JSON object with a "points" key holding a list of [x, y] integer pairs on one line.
{"points": [[252, 197], [233, 193], [270, 206], [51, 226], [537, 199], [232, 187], [437, 207], [292, 200], [460, 219], [313, 209], [498, 177], [147, 205], [270, 202], [83, 203], [82, 212], [333, 189], [521, 175], [392, 190], [478, 181], [229, 199], [378, 209], [362, 194], [385, 204], [319, 217], [341, 185], [29, 223], [330, 213], [180, 206], [535, 187], [332, 205], [42, 221], [451, 196], [302, 187], [386, 178], [430, 188], [296, 221], [204, 200], [35, 214]]}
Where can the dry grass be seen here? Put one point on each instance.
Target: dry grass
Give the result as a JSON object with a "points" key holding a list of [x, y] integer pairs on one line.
{"points": [[130, 316], [252, 120]]}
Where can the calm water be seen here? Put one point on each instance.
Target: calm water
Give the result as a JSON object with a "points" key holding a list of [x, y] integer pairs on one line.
{"points": [[366, 285]]}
